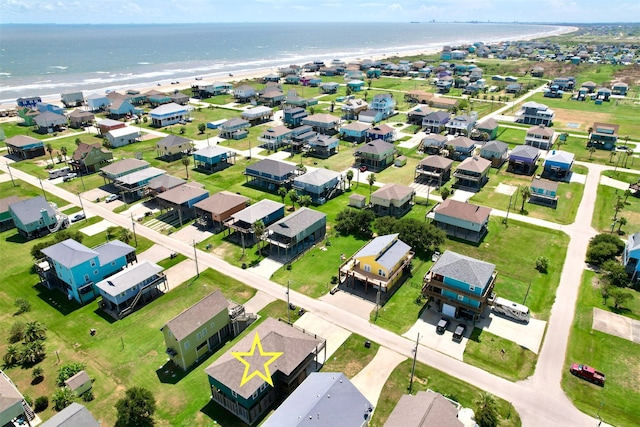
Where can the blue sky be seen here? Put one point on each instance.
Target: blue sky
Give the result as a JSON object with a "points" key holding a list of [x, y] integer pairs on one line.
{"points": [[186, 11]]}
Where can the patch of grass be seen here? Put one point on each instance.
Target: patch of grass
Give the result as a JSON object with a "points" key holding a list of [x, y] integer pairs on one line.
{"points": [[352, 356], [485, 351], [604, 211], [167, 263], [427, 377], [619, 359]]}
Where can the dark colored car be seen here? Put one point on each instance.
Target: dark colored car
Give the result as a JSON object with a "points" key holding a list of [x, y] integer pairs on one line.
{"points": [[459, 332], [442, 325], [363, 168]]}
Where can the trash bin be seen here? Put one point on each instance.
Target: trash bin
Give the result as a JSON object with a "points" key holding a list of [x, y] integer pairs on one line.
{"points": [[367, 344]]}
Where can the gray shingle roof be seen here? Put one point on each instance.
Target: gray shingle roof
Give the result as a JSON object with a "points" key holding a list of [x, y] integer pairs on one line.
{"points": [[525, 151], [292, 225], [173, 141], [376, 146], [69, 253], [28, 211], [197, 315], [124, 165], [272, 167], [113, 250], [165, 181], [257, 211], [78, 380], [182, 194], [128, 278], [275, 336], [317, 177], [328, 398], [425, 409], [74, 415], [496, 146], [436, 162], [464, 269], [5, 202]]}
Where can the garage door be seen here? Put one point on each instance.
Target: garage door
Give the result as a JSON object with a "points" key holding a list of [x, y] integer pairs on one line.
{"points": [[448, 310]]}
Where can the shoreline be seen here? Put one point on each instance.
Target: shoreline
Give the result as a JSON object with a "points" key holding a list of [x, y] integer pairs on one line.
{"points": [[165, 85]]}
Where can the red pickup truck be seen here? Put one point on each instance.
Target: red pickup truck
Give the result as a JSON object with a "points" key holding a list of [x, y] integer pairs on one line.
{"points": [[588, 373]]}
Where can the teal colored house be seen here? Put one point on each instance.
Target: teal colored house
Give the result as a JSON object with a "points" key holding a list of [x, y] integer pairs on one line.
{"points": [[355, 85], [253, 398], [544, 192], [603, 136], [558, 165], [36, 217], [121, 108], [321, 184], [631, 256], [460, 286], [293, 116], [490, 127], [6, 222], [354, 131], [383, 102], [131, 288], [270, 174], [213, 158], [75, 269]]}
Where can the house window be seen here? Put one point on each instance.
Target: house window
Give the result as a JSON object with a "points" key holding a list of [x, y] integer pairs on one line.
{"points": [[381, 272], [234, 394], [93, 263], [263, 386], [460, 297], [187, 345], [255, 395], [472, 288], [113, 263], [95, 272], [367, 268], [213, 325], [86, 278]]}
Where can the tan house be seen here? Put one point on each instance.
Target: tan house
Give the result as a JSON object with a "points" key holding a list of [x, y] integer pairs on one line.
{"points": [[393, 200], [173, 146]]}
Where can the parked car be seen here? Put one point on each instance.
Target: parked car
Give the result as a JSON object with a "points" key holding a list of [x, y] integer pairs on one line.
{"points": [[363, 168], [442, 325], [588, 373], [459, 332], [78, 217], [69, 176], [111, 198]]}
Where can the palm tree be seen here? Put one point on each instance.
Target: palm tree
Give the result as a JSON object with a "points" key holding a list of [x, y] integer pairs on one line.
{"points": [[125, 235], [186, 161], [258, 231], [305, 200], [486, 413], [293, 196], [591, 151], [371, 179], [525, 192], [350, 177], [35, 331], [64, 152], [282, 192], [626, 159], [627, 193], [12, 356], [622, 221], [50, 151]]}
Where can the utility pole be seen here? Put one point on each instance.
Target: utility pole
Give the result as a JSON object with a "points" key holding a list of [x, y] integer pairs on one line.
{"points": [[43, 192], [413, 367], [377, 302], [133, 224], [506, 218], [82, 206], [195, 257], [10, 174], [288, 303]]}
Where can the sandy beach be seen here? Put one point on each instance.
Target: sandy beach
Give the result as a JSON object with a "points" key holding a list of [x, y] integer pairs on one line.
{"points": [[186, 83]]}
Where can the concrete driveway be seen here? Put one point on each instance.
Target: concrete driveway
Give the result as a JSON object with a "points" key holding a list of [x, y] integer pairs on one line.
{"points": [[259, 301], [528, 335], [353, 304], [99, 227], [426, 326], [335, 335], [180, 273], [155, 253], [615, 324], [192, 233], [370, 380], [266, 267]]}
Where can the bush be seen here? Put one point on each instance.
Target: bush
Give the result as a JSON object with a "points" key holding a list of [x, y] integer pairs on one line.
{"points": [[334, 280], [16, 332], [38, 373], [87, 396], [28, 399], [41, 403], [542, 264], [600, 253], [62, 398], [22, 305], [69, 370]]}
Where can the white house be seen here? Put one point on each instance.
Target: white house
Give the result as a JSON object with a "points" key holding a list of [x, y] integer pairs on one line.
{"points": [[168, 114], [122, 136]]}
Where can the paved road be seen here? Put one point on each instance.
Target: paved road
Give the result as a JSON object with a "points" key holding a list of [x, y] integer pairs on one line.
{"points": [[539, 400]]}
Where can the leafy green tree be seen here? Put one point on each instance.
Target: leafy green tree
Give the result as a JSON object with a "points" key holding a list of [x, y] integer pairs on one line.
{"points": [[183, 129], [16, 332], [608, 238], [22, 305], [350, 221], [282, 192], [600, 253], [202, 127], [49, 149], [68, 370], [542, 264], [620, 297], [186, 161], [32, 352], [136, 408], [615, 274], [41, 403], [486, 413], [445, 192], [37, 374], [13, 355], [62, 398], [622, 221], [293, 196], [385, 225], [305, 200], [350, 177]]}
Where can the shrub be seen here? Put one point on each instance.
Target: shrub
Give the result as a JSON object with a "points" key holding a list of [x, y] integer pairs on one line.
{"points": [[22, 305], [28, 399], [37, 373], [600, 253], [62, 398], [69, 370], [334, 280], [87, 396], [542, 264], [16, 332], [41, 403]]}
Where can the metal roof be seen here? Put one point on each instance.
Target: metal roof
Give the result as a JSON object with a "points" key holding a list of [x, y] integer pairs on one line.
{"points": [[128, 278]]}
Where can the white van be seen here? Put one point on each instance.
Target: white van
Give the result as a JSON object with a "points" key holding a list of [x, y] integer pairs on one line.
{"points": [[511, 309]]}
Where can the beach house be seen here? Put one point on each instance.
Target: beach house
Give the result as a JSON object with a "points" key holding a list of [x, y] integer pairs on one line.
{"points": [[163, 183], [244, 93], [276, 137], [296, 233], [74, 268], [73, 415], [354, 131], [544, 192], [257, 115], [213, 158], [557, 165], [134, 185], [423, 409], [24, 147], [462, 220], [533, 113], [460, 286], [375, 155], [322, 146], [235, 128], [12, 403], [89, 158], [122, 136], [603, 136], [385, 103], [6, 222], [383, 132], [80, 119], [243, 222], [249, 400], [472, 173], [122, 167], [495, 151], [463, 147], [540, 137], [380, 263], [168, 114], [97, 101], [433, 170], [270, 174], [393, 200], [213, 211], [461, 125], [631, 256], [180, 200], [320, 184], [323, 123], [293, 116], [435, 121], [172, 146], [36, 217], [523, 160]]}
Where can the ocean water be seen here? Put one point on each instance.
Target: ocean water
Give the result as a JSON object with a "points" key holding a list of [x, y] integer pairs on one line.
{"points": [[46, 60]]}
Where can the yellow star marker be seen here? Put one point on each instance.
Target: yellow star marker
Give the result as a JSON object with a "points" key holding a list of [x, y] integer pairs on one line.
{"points": [[240, 355]]}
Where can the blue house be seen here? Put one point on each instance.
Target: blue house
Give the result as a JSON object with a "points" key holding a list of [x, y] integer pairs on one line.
{"points": [[168, 114], [97, 102], [213, 158], [533, 113], [435, 121], [28, 102], [235, 128], [558, 165], [463, 147], [355, 85], [329, 87], [322, 146], [354, 131], [135, 184], [631, 256], [131, 288], [461, 125], [74, 268], [45, 106], [619, 88], [293, 116], [370, 116], [384, 103], [603, 136], [523, 159], [121, 107], [315, 81], [383, 132], [544, 192], [321, 184], [460, 286], [36, 217], [243, 221], [270, 174]]}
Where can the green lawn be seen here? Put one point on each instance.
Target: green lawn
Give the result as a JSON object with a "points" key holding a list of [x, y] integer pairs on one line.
{"points": [[569, 195], [604, 211], [351, 357], [511, 136], [427, 377], [619, 359], [485, 349]]}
